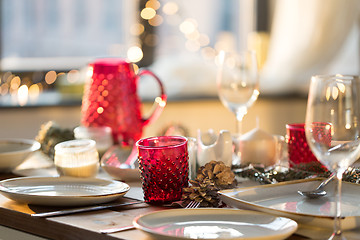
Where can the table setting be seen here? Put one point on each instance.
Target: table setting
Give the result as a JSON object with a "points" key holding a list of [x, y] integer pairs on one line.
{"points": [[106, 180]]}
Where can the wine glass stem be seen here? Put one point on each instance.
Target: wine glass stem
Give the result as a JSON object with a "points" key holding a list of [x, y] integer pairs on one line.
{"points": [[238, 127], [239, 118], [337, 223]]}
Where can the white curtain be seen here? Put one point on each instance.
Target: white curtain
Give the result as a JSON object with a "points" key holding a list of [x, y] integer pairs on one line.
{"points": [[310, 37]]}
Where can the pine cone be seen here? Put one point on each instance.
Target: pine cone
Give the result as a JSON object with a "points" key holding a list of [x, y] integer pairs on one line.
{"points": [[211, 178], [51, 134]]}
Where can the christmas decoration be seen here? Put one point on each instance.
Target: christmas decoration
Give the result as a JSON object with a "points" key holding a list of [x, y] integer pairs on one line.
{"points": [[211, 178], [276, 174], [51, 134]]}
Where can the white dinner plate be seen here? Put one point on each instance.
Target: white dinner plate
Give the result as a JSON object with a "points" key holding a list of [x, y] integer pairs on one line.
{"points": [[214, 223], [62, 191], [282, 199]]}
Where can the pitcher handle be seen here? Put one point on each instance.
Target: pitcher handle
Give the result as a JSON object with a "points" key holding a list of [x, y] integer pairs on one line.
{"points": [[159, 102]]}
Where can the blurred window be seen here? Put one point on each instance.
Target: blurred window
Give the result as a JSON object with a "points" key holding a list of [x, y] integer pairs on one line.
{"points": [[45, 44]]}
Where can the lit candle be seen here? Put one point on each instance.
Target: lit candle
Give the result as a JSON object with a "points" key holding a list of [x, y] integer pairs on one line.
{"points": [[77, 158], [258, 147]]}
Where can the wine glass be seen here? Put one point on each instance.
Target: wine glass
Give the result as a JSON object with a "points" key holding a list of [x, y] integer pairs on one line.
{"points": [[332, 127], [238, 86]]}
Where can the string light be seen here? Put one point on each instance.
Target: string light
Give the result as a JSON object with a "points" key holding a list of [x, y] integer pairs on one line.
{"points": [[22, 89]]}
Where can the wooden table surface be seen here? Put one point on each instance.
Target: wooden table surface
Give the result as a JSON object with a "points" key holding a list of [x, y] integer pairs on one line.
{"points": [[88, 225], [81, 225], [76, 226]]}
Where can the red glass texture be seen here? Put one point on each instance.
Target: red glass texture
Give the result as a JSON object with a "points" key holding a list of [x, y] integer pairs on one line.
{"points": [[110, 99], [298, 149], [163, 164]]}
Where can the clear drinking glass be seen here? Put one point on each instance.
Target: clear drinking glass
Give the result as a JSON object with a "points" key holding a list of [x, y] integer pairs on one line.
{"points": [[102, 135], [238, 83], [334, 99]]}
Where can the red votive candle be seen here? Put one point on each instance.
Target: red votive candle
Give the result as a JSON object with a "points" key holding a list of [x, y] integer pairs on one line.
{"points": [[163, 164], [300, 155]]}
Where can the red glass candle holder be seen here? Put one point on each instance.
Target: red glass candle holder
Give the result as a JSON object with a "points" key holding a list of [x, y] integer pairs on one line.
{"points": [[163, 164], [300, 155]]}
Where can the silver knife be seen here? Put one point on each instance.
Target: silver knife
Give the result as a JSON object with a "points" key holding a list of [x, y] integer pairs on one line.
{"points": [[83, 209]]}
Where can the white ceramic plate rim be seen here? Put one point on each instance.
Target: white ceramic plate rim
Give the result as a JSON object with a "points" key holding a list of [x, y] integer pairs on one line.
{"points": [[232, 198], [225, 193], [113, 190], [208, 213], [32, 145]]}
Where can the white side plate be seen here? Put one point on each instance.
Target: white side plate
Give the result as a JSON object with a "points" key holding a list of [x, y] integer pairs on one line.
{"points": [[14, 151], [282, 199], [214, 223], [62, 191]]}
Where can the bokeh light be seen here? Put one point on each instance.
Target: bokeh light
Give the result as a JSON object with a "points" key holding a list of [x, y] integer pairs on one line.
{"points": [[137, 29], [170, 8], [22, 95], [208, 53], [34, 92], [160, 102], [156, 21], [73, 76], [7, 77], [154, 4], [15, 83], [136, 68], [50, 77], [148, 13], [188, 26], [100, 110], [89, 72], [134, 54], [193, 35], [4, 89], [203, 40]]}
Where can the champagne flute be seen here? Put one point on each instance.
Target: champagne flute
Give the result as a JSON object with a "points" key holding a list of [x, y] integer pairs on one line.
{"points": [[333, 111], [238, 86]]}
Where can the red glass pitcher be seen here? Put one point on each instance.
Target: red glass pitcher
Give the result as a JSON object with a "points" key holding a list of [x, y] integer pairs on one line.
{"points": [[111, 99]]}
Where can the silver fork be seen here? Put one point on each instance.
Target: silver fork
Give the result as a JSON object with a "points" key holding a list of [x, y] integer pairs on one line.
{"points": [[193, 204]]}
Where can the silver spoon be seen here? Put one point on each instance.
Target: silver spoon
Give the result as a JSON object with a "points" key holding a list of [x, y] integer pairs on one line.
{"points": [[319, 191]]}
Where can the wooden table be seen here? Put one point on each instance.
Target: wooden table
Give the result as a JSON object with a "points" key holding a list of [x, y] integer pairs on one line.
{"points": [[76, 226], [82, 225]]}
